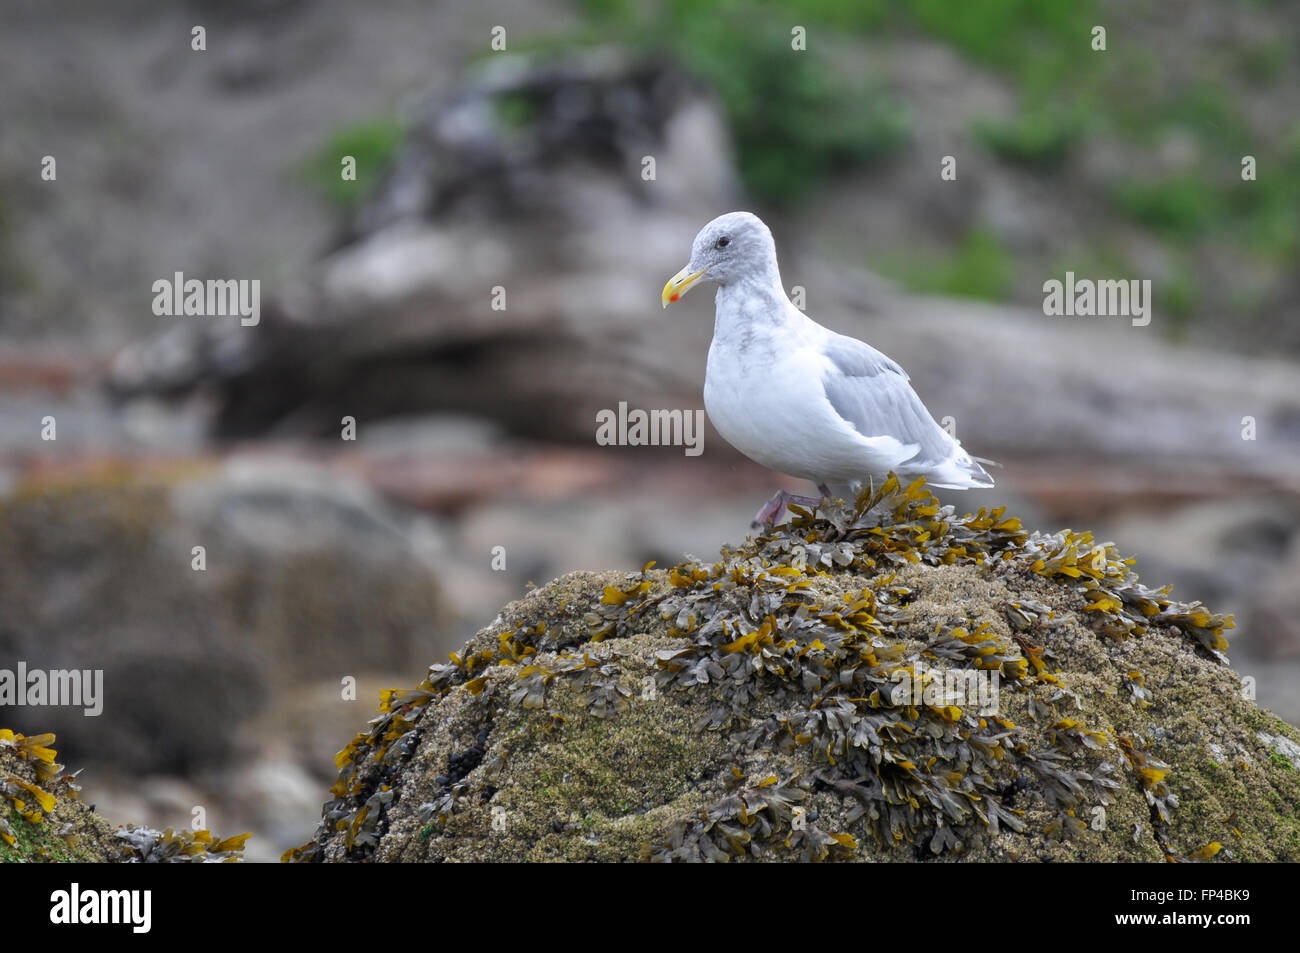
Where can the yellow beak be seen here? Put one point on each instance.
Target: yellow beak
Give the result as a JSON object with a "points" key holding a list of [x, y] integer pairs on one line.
{"points": [[678, 285]]}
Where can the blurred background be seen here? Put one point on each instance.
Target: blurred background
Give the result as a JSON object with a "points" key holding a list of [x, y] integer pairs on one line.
{"points": [[474, 470]]}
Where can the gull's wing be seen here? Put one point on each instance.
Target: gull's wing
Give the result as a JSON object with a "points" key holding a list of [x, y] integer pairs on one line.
{"points": [[873, 394]]}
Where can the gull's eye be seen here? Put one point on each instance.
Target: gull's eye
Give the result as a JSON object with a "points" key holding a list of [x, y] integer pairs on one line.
{"points": [[722, 242]]}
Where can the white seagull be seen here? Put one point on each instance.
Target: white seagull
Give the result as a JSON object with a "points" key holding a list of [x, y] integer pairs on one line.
{"points": [[797, 397]]}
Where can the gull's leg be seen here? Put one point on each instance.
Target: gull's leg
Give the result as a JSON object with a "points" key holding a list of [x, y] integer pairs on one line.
{"points": [[824, 490], [780, 499], [767, 515]]}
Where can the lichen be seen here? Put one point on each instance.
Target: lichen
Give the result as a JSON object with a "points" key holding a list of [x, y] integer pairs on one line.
{"points": [[750, 709]]}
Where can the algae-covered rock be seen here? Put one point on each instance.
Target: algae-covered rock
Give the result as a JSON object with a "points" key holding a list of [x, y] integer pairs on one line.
{"points": [[43, 820], [882, 680]]}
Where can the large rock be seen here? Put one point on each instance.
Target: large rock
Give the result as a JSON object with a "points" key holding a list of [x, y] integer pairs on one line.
{"points": [[751, 709]]}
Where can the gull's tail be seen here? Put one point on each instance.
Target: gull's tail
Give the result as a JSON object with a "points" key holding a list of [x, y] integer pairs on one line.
{"points": [[961, 471]]}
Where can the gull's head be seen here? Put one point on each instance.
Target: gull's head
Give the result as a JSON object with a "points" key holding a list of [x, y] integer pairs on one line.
{"points": [[730, 247]]}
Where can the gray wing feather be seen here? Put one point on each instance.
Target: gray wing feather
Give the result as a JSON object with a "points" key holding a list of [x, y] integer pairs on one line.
{"points": [[871, 392]]}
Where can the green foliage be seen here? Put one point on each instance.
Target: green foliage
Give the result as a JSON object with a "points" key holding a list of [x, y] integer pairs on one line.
{"points": [[980, 267], [1013, 34], [373, 143], [1262, 64], [1179, 207], [617, 10], [1177, 296], [859, 16], [797, 118], [1210, 115], [1267, 207], [1041, 138], [1093, 261], [794, 116], [514, 110]]}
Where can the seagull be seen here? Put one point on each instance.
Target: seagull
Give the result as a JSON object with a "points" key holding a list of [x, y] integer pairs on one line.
{"points": [[797, 397]]}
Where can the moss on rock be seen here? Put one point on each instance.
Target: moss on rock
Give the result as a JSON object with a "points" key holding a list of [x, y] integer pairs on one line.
{"points": [[879, 680]]}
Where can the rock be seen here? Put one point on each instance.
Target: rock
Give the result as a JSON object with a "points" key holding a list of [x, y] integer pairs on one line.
{"points": [[760, 708], [1225, 550], [1275, 619], [308, 575], [43, 819], [51, 824], [529, 180]]}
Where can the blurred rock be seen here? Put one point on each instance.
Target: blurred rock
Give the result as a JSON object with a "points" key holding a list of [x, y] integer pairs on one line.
{"points": [[1094, 400], [515, 137], [528, 180], [1220, 549], [1275, 622], [309, 576]]}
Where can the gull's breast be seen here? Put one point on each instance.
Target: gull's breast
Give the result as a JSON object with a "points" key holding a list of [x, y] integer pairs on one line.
{"points": [[771, 406]]}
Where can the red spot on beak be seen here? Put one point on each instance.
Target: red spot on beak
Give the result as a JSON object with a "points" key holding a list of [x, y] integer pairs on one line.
{"points": [[675, 297]]}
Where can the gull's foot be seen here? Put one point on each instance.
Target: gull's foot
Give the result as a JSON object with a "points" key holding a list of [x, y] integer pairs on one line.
{"points": [[766, 517]]}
